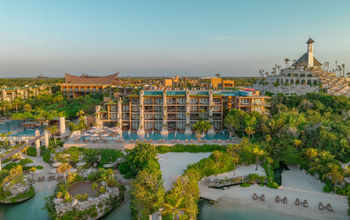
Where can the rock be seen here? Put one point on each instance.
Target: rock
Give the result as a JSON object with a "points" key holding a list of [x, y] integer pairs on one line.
{"points": [[74, 202]]}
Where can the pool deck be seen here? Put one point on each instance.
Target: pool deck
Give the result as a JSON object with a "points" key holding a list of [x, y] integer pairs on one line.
{"points": [[122, 145]]}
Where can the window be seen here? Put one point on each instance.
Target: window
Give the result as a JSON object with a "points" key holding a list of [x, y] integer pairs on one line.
{"points": [[148, 116], [203, 100], [148, 101], [125, 108], [256, 101], [181, 116], [181, 125], [194, 108], [193, 100], [217, 125], [244, 101]]}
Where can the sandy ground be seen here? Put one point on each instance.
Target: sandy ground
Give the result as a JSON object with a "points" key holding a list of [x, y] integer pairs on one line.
{"points": [[297, 184], [292, 179], [173, 165]]}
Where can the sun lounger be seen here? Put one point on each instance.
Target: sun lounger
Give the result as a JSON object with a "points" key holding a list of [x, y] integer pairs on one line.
{"points": [[320, 206], [262, 197], [277, 199], [305, 204], [297, 202], [255, 197], [329, 207], [285, 200]]}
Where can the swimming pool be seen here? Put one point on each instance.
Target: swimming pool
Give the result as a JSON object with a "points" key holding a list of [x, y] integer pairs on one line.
{"points": [[17, 129]]}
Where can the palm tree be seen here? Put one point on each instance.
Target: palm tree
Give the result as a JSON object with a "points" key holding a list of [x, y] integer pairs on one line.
{"points": [[258, 152], [53, 130], [201, 126], [311, 153], [4, 137], [173, 207], [334, 174], [80, 113], [249, 131], [286, 60], [64, 168], [235, 160], [269, 161]]}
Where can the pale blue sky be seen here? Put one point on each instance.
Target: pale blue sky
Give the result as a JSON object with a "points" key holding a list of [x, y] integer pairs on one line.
{"points": [[167, 37]]}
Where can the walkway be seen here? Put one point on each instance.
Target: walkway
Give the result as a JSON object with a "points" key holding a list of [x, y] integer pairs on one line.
{"points": [[24, 146]]}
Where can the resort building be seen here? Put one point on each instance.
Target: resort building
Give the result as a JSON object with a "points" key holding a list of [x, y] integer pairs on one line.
{"points": [[174, 110], [204, 82], [10, 94], [75, 86], [305, 75]]}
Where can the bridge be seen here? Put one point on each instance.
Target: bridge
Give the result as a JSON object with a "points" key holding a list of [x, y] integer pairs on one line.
{"points": [[25, 146]]}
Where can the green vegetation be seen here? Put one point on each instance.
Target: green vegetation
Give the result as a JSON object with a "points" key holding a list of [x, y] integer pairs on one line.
{"points": [[162, 149], [10, 178], [62, 192], [201, 126], [48, 107], [147, 191], [138, 159], [311, 131], [21, 82]]}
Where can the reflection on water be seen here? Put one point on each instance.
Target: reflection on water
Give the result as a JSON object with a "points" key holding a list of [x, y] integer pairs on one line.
{"points": [[30, 209]]}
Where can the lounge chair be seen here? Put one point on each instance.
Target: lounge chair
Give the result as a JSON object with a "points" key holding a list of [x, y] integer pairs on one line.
{"points": [[277, 199], [297, 202], [305, 204], [329, 207], [320, 206], [255, 197], [262, 197], [285, 200]]}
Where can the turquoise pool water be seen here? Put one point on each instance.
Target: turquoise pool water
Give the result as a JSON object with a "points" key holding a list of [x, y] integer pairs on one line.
{"points": [[17, 129]]}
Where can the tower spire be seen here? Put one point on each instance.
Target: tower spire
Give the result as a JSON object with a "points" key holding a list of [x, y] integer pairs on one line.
{"points": [[310, 52]]}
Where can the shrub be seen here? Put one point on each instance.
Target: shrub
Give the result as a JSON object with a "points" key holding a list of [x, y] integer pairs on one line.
{"points": [[79, 197], [9, 166], [25, 161], [272, 185], [245, 184], [109, 156], [190, 148], [47, 155], [102, 189], [31, 151], [327, 189]]}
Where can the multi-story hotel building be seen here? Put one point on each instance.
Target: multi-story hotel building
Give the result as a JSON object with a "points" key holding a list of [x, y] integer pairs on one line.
{"points": [[10, 94], [75, 86], [175, 110]]}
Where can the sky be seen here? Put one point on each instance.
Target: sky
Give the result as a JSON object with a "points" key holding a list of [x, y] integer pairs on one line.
{"points": [[167, 37]]}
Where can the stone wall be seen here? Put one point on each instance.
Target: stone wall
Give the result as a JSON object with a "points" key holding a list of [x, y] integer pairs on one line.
{"points": [[102, 203]]}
